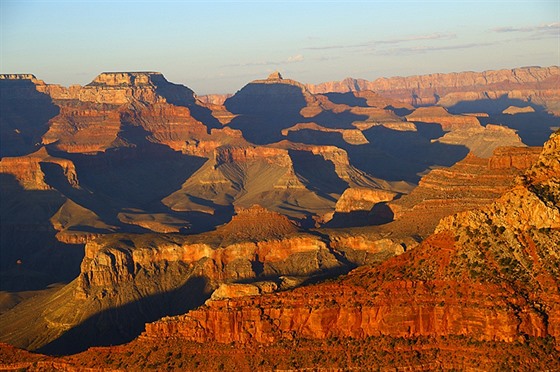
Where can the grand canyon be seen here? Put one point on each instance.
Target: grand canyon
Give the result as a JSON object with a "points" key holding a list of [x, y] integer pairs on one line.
{"points": [[404, 223]]}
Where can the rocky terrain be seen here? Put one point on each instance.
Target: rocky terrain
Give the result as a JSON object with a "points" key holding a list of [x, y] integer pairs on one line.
{"points": [[481, 292], [468, 89], [489, 274], [217, 220]]}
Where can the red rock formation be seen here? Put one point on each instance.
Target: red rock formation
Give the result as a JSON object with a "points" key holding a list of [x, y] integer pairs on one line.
{"points": [[351, 136], [483, 141], [440, 116], [256, 224], [361, 199], [514, 157], [469, 184], [95, 117], [535, 84], [27, 169], [229, 154], [84, 128], [490, 285], [400, 309]]}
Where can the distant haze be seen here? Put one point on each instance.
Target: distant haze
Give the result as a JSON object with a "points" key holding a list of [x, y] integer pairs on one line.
{"points": [[219, 46]]}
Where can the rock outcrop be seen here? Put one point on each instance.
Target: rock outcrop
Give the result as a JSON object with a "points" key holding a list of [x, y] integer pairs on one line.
{"points": [[351, 136], [28, 171], [361, 199], [257, 224], [139, 276], [483, 141], [439, 115], [512, 110], [104, 113]]}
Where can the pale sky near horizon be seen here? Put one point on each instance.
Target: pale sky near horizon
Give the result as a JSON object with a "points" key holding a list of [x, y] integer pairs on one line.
{"points": [[219, 46]]}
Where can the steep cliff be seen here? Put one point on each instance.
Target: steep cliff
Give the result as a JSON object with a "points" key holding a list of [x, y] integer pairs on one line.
{"points": [[298, 180]]}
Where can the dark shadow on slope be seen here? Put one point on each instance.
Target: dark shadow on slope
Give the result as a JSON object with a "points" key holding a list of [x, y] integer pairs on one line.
{"points": [[380, 214], [24, 117], [429, 131], [399, 111], [346, 99], [319, 173], [27, 235], [124, 323], [136, 176], [534, 128], [395, 155], [491, 106], [265, 109], [180, 95], [343, 120], [391, 155], [350, 219]]}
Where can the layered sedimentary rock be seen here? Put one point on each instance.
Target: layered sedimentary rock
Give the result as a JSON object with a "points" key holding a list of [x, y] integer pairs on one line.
{"points": [[351, 136], [151, 158], [117, 109], [257, 223], [538, 85], [488, 275], [135, 277], [361, 199], [28, 172], [293, 179], [470, 183], [440, 115], [483, 141]]}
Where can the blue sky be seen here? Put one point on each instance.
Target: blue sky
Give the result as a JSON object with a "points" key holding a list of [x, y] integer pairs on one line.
{"points": [[219, 46]]}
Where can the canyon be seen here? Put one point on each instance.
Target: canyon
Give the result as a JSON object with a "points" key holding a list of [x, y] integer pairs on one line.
{"points": [[417, 216]]}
